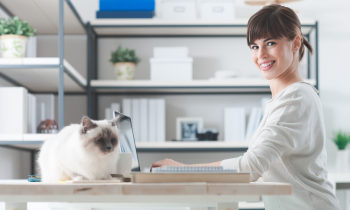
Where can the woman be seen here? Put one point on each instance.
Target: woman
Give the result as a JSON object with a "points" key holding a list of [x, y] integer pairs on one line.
{"points": [[289, 144]]}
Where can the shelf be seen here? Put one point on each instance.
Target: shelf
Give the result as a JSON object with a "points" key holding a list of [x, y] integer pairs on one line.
{"points": [[41, 74], [195, 86], [164, 27], [43, 15], [34, 141]]}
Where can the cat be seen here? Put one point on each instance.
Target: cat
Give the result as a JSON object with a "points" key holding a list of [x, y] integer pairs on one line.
{"points": [[86, 151]]}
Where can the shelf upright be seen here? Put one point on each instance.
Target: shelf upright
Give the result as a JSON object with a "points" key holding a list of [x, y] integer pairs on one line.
{"points": [[92, 71], [61, 67]]}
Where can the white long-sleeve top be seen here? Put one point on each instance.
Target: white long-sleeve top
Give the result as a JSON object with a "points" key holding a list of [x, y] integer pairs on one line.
{"points": [[289, 147]]}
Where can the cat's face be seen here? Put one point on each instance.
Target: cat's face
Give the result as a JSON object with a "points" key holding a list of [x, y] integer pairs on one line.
{"points": [[99, 137]]}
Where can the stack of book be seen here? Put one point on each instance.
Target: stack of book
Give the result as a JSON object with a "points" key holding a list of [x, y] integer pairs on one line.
{"points": [[126, 9], [147, 117]]}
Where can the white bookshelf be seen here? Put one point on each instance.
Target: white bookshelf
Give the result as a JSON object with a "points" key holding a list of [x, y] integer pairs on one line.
{"points": [[177, 27], [236, 85], [41, 74]]}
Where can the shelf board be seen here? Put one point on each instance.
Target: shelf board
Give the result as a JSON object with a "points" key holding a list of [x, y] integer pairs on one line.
{"points": [[196, 86], [41, 74], [43, 15], [164, 27], [34, 141]]}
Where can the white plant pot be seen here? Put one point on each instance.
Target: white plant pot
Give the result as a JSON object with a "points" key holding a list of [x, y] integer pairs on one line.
{"points": [[342, 161], [13, 46], [124, 70]]}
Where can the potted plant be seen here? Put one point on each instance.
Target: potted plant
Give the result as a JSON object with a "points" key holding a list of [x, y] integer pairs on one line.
{"points": [[341, 140], [124, 61], [13, 35]]}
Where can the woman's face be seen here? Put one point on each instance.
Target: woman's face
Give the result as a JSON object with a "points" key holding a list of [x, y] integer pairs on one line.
{"points": [[273, 57]]}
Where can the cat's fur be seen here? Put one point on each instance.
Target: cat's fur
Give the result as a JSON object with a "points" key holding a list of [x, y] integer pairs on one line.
{"points": [[83, 151]]}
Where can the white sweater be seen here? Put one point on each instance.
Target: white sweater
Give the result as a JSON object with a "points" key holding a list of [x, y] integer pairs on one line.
{"points": [[289, 147]]}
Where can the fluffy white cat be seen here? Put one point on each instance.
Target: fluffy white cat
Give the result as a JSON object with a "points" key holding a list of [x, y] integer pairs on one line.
{"points": [[88, 151]]}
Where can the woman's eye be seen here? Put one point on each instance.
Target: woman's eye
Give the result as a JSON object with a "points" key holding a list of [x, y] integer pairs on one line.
{"points": [[271, 43], [100, 139], [255, 47]]}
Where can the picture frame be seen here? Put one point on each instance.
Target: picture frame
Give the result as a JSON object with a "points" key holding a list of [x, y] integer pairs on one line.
{"points": [[186, 128]]}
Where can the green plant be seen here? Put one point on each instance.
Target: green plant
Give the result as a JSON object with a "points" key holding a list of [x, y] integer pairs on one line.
{"points": [[341, 140], [124, 55], [15, 26]]}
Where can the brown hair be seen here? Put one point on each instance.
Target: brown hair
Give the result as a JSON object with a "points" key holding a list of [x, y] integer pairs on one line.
{"points": [[276, 21]]}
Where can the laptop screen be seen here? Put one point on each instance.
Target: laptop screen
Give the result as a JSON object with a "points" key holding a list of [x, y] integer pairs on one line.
{"points": [[127, 141]]}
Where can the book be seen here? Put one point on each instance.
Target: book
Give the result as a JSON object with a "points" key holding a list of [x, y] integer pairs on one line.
{"points": [[144, 120], [127, 107], [160, 120], [152, 120], [124, 14], [234, 124], [13, 110], [129, 5], [115, 107], [136, 118], [251, 123], [108, 113], [31, 114]]}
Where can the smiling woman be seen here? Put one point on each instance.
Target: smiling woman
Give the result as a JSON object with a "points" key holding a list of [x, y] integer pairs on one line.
{"points": [[289, 144]]}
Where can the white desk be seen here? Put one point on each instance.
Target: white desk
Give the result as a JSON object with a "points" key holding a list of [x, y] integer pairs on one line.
{"points": [[199, 195]]}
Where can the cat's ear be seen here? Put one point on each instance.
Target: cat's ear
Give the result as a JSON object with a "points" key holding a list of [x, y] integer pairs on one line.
{"points": [[87, 124], [114, 121]]}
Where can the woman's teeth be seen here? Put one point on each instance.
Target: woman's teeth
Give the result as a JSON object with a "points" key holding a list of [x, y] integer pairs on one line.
{"points": [[267, 64]]}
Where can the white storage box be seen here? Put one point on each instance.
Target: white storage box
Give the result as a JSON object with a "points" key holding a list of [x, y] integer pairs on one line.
{"points": [[179, 9], [171, 69], [170, 52], [13, 110], [217, 9]]}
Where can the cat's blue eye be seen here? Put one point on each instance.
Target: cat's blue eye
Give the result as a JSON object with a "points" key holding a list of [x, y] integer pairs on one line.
{"points": [[113, 139], [100, 140]]}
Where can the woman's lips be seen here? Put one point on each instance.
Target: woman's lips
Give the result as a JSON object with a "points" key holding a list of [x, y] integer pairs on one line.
{"points": [[267, 66]]}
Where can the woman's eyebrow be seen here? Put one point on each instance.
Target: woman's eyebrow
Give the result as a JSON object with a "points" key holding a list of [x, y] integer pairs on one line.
{"points": [[268, 39]]}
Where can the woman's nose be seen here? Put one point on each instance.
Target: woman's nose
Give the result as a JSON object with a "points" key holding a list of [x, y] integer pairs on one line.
{"points": [[262, 53]]}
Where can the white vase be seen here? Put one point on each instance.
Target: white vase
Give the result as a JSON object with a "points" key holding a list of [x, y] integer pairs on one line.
{"points": [[342, 161], [124, 70], [13, 46]]}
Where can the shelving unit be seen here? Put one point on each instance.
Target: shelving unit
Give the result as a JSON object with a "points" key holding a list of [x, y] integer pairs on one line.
{"points": [[143, 28]]}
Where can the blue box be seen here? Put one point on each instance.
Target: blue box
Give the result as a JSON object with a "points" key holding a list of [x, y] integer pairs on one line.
{"points": [[127, 5], [124, 14]]}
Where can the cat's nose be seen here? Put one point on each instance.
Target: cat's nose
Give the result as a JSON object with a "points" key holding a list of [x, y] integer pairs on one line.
{"points": [[109, 148]]}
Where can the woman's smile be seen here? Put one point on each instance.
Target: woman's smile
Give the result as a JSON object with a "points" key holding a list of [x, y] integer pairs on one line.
{"points": [[266, 65]]}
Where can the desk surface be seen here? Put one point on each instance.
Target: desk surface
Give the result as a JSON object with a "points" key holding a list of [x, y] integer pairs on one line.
{"points": [[23, 188]]}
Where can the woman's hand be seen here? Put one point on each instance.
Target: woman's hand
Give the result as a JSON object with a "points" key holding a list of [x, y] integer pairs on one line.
{"points": [[166, 162]]}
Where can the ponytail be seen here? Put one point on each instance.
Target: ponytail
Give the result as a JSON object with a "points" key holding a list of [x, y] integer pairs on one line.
{"points": [[304, 43]]}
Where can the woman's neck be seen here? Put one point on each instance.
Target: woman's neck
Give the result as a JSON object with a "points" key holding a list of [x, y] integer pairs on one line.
{"points": [[286, 79]]}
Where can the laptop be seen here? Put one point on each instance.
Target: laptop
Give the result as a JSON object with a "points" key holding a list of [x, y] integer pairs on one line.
{"points": [[127, 140]]}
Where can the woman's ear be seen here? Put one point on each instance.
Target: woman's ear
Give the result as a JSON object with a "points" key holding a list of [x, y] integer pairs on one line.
{"points": [[296, 43]]}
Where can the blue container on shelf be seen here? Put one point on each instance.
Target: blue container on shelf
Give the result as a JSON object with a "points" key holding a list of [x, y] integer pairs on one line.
{"points": [[124, 14], [127, 5]]}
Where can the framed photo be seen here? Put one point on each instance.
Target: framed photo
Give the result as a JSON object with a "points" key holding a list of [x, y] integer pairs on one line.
{"points": [[186, 128]]}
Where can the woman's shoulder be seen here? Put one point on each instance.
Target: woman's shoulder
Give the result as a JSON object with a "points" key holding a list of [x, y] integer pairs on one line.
{"points": [[297, 90]]}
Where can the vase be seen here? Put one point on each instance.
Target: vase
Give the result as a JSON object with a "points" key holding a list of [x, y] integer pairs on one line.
{"points": [[342, 161], [124, 70], [13, 46]]}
